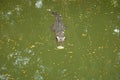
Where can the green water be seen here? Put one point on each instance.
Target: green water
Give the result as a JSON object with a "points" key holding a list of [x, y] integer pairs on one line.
{"points": [[28, 49]]}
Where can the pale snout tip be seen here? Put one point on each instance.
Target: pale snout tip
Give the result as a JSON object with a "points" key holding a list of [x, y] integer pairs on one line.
{"points": [[60, 47]]}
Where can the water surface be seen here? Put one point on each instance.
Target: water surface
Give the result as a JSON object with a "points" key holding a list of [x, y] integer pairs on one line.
{"points": [[28, 49]]}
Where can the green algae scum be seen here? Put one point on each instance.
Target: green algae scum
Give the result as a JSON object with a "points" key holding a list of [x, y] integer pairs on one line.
{"points": [[28, 49]]}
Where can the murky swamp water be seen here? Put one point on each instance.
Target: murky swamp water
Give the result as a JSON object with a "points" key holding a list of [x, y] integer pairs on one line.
{"points": [[28, 46]]}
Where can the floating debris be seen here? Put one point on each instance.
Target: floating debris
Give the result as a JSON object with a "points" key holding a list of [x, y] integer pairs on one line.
{"points": [[18, 10], [21, 57], [114, 3], [9, 12], [116, 31], [3, 67], [42, 68], [70, 52], [4, 77], [38, 76], [63, 71], [84, 35], [38, 4], [29, 51], [32, 46], [21, 61]]}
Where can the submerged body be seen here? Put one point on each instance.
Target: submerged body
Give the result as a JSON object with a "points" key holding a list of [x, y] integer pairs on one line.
{"points": [[58, 28]]}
